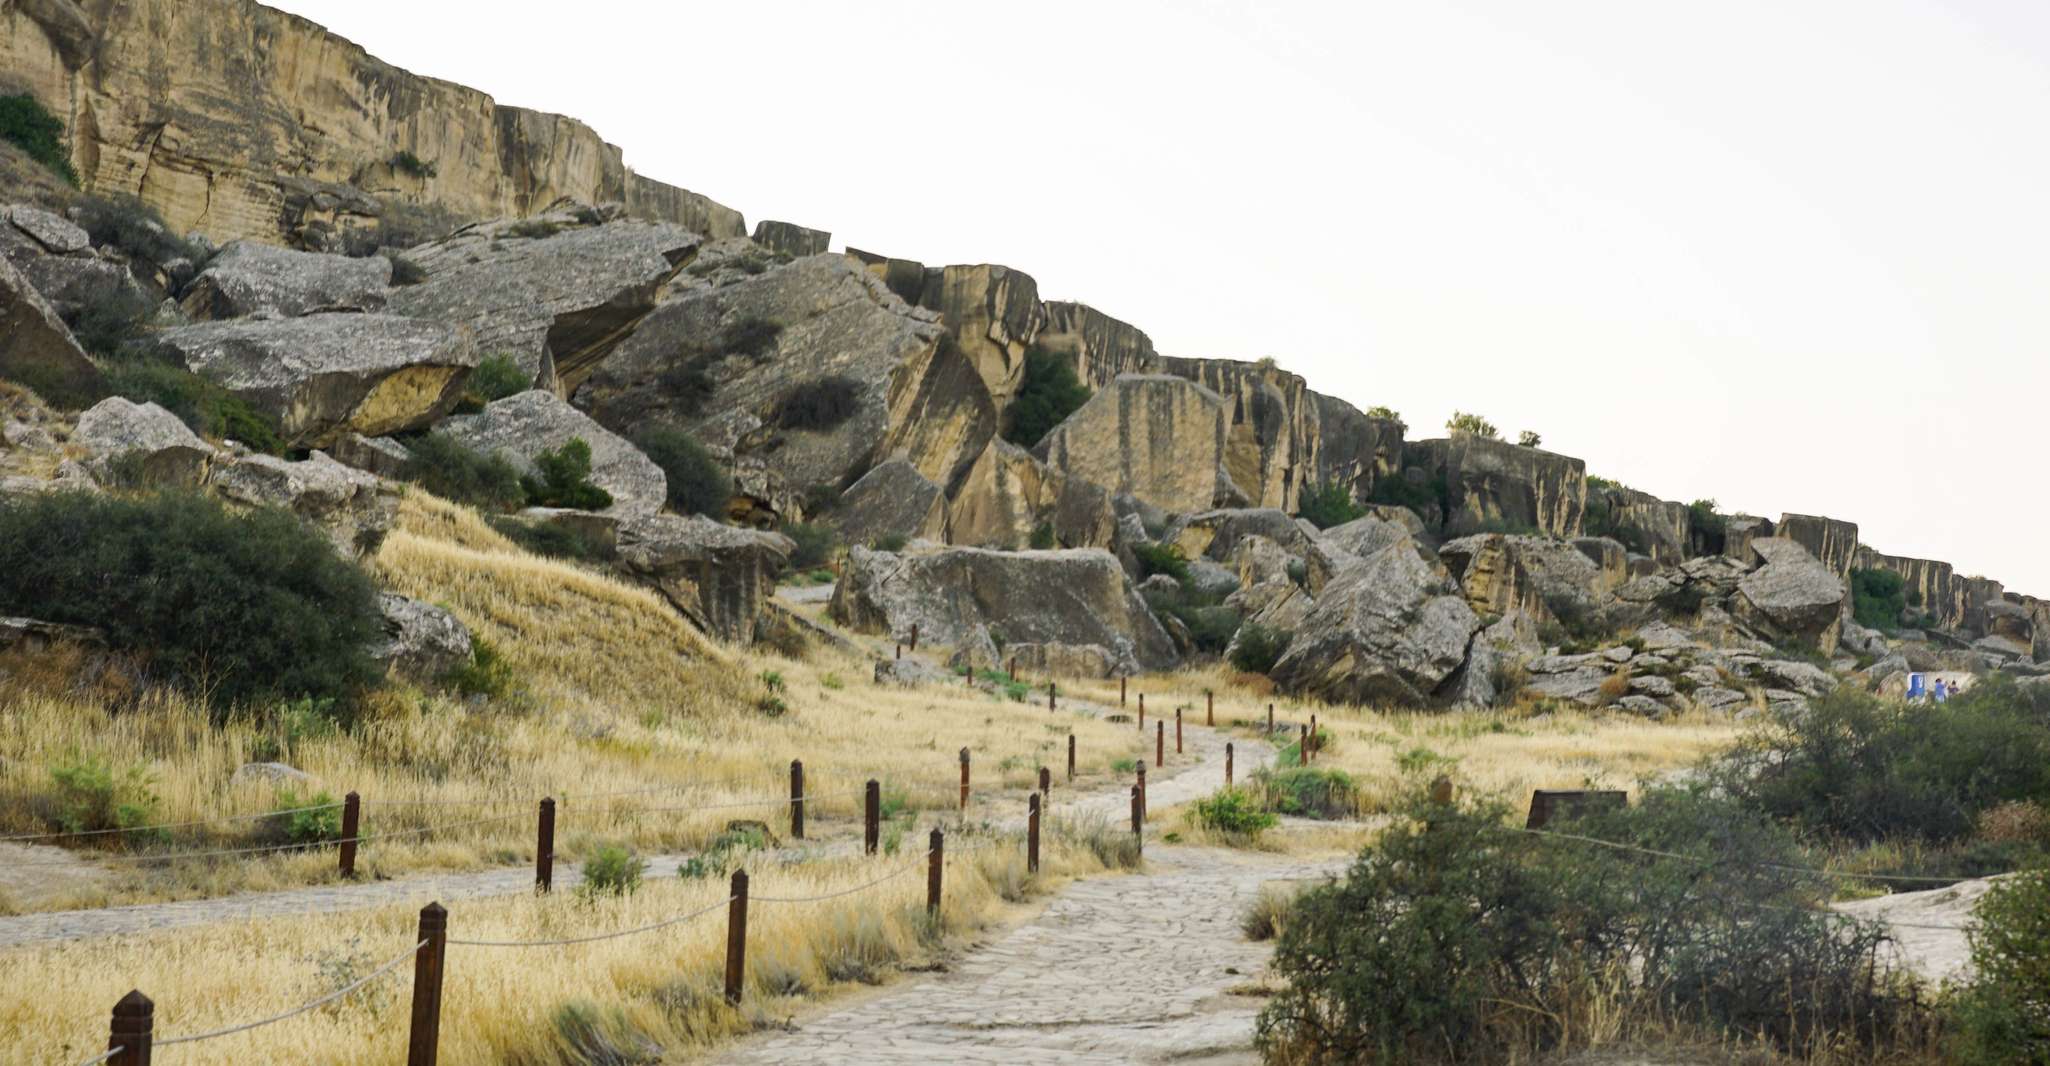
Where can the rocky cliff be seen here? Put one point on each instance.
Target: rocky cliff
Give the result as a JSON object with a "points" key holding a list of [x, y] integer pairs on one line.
{"points": [[236, 120]]}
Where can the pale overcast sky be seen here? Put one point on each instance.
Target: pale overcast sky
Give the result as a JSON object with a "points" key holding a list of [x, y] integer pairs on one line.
{"points": [[1791, 256]]}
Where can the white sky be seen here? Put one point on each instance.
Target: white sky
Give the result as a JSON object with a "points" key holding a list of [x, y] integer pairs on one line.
{"points": [[1791, 256]]}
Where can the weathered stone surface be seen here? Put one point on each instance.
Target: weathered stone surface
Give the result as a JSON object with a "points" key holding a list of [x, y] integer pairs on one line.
{"points": [[1833, 542], [382, 456], [357, 509], [167, 451], [1611, 561], [1491, 481], [35, 346], [1256, 559], [571, 288], [1491, 659], [325, 375], [908, 673], [1804, 678], [1641, 704], [1582, 685], [599, 531], [717, 576], [1092, 661], [910, 397], [1654, 686], [893, 499], [1362, 536], [1355, 449], [1272, 429], [1160, 438], [1075, 597], [1792, 595], [1387, 628], [994, 315], [1740, 531], [526, 424], [1717, 698], [1535, 576], [976, 651], [1102, 347], [239, 120], [35, 636], [56, 234], [1928, 584], [249, 278], [1008, 497], [791, 239], [421, 641], [1216, 534], [1643, 523]]}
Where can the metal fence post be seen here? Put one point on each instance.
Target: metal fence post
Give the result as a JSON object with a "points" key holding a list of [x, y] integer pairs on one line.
{"points": [[936, 846], [1142, 713], [423, 1044], [1045, 783], [1302, 747], [1121, 691], [1032, 834], [1071, 756], [1270, 719], [872, 817], [1210, 708], [1227, 764], [352, 820], [736, 937], [1314, 742], [914, 636], [797, 799], [1139, 818], [132, 1029], [544, 847], [1177, 730], [1049, 697], [1159, 743], [1142, 786], [964, 780]]}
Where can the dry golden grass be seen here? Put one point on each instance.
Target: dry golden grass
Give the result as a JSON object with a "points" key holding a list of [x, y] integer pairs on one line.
{"points": [[655, 990]]}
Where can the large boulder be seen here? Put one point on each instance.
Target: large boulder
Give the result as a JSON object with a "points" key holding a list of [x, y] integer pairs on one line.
{"points": [[1832, 541], [1008, 499], [1388, 628], [1534, 576], [1158, 437], [1792, 596], [1363, 536], [249, 278], [891, 500], [1216, 534], [128, 440], [1643, 523], [790, 238], [356, 509], [1272, 427], [52, 233], [718, 576], [326, 375], [526, 424], [1491, 484], [1073, 597], [35, 346], [421, 641], [556, 283], [814, 368], [1930, 585]]}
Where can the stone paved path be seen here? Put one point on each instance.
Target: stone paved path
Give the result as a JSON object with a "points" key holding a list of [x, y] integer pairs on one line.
{"points": [[1116, 970]]}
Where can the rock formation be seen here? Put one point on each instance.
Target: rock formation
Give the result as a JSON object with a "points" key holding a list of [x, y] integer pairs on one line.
{"points": [[1388, 629], [35, 346], [717, 576], [522, 426], [1833, 542], [1493, 483], [249, 278], [1158, 437]]}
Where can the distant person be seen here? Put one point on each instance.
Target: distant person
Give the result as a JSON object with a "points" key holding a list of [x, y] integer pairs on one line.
{"points": [[1939, 692]]}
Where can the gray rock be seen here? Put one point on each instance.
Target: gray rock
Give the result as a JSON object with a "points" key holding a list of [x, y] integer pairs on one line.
{"points": [[1641, 705], [1653, 685], [1258, 560], [35, 346], [1792, 595], [249, 278], [718, 576], [893, 499], [382, 456], [976, 652], [35, 636], [323, 376], [1214, 534], [161, 449], [1091, 661], [1071, 597], [1805, 678], [355, 508], [1387, 628], [58, 235], [791, 239], [1363, 536], [1581, 685], [907, 673], [572, 289], [1702, 675], [526, 424], [1617, 654], [1716, 698], [1212, 579], [421, 641], [1560, 664], [1160, 584], [1664, 636], [1499, 646]]}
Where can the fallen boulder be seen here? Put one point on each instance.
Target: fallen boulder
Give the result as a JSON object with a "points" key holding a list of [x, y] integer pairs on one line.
{"points": [[421, 641], [1158, 437], [356, 509], [718, 576], [249, 278], [36, 348], [141, 442], [1388, 628], [526, 424], [891, 500], [1792, 596]]}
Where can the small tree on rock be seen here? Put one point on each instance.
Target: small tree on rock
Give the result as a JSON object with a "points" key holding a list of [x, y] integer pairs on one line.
{"points": [[1472, 425]]}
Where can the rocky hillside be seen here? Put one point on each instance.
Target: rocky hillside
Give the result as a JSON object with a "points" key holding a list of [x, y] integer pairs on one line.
{"points": [[1160, 512]]}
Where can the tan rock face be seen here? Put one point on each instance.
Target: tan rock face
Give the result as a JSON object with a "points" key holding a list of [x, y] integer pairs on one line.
{"points": [[1158, 437], [994, 314], [1272, 429], [1492, 481], [1007, 496], [1832, 541], [1642, 522], [1929, 584], [1101, 346], [238, 120]]}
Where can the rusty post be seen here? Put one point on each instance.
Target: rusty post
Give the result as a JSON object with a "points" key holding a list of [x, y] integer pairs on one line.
{"points": [[1121, 691], [1032, 834], [1227, 764], [1159, 743], [423, 1044], [872, 817], [900, 651], [1142, 713], [964, 779], [1142, 786], [796, 799], [1049, 697], [935, 859], [1071, 756], [1302, 746], [1315, 742], [1139, 818], [1014, 668], [736, 938], [1270, 719], [1177, 730], [544, 847], [352, 819], [132, 1030], [1210, 708], [914, 637], [1045, 784]]}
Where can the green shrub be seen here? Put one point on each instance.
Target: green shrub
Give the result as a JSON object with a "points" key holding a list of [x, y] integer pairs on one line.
{"points": [[307, 826], [1327, 504], [1047, 394], [1233, 812], [718, 858], [613, 871], [1399, 491], [1471, 424], [1259, 647], [2003, 1014], [890, 542], [209, 409], [815, 544], [1043, 537], [91, 797], [1162, 559], [25, 124], [1210, 628], [552, 540], [698, 483], [1529, 438], [454, 471], [133, 228], [1878, 599], [1382, 411], [495, 378], [819, 404], [407, 163], [487, 674], [820, 498], [1856, 767], [108, 320], [234, 606], [1307, 791], [562, 478]]}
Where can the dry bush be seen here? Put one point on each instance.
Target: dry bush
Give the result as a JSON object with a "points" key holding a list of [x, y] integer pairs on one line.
{"points": [[2015, 822]]}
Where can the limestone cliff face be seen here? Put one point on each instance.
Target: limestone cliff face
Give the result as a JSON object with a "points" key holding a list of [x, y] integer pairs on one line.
{"points": [[1161, 438], [1355, 449], [1101, 346], [237, 120], [1931, 585], [1832, 541], [1272, 426], [1490, 481]]}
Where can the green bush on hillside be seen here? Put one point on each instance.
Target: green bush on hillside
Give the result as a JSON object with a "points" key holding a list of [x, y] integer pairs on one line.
{"points": [[1878, 598], [698, 483], [1162, 559], [815, 544], [1048, 393], [1471, 424], [454, 471], [209, 409], [135, 229], [2003, 1013], [495, 378], [234, 607], [562, 478], [1259, 647], [25, 124], [818, 405], [1327, 504]]}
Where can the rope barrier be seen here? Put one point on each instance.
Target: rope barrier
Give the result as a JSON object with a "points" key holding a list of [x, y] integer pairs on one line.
{"points": [[172, 825], [303, 1008], [844, 892], [590, 939], [358, 839]]}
